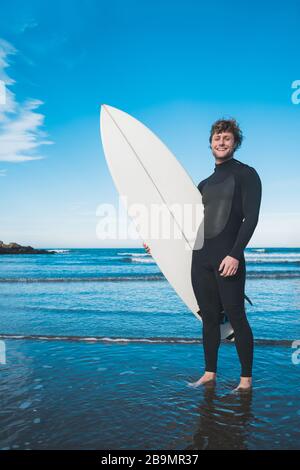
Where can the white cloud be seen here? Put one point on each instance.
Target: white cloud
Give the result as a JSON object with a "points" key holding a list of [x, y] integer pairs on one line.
{"points": [[21, 126]]}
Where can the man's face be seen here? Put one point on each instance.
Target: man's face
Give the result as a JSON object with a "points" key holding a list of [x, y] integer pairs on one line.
{"points": [[222, 145]]}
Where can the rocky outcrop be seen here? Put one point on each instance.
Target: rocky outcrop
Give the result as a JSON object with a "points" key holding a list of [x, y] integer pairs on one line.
{"points": [[16, 249]]}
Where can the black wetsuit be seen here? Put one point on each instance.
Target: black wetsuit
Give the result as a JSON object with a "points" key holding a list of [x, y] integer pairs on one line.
{"points": [[231, 197]]}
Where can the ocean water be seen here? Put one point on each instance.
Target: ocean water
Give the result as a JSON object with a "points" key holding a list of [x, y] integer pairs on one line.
{"points": [[99, 350]]}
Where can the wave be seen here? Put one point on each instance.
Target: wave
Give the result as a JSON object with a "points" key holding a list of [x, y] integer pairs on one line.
{"points": [[138, 260], [272, 261], [60, 251], [133, 254], [145, 277], [256, 256], [273, 274], [107, 339], [273, 255], [145, 260]]}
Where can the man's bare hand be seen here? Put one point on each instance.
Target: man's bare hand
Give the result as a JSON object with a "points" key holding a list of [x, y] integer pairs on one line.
{"points": [[229, 266], [146, 248]]}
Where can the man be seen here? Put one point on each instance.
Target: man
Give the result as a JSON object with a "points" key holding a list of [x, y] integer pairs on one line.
{"points": [[231, 197]]}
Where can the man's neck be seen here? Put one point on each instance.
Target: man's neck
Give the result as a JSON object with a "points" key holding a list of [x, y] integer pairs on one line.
{"points": [[219, 161]]}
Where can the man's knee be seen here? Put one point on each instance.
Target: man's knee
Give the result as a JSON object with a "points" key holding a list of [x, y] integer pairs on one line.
{"points": [[209, 316], [235, 312]]}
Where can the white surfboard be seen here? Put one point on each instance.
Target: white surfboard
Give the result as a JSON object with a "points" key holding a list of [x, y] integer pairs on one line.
{"points": [[147, 174]]}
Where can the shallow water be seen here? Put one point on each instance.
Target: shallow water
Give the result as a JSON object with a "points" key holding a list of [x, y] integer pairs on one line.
{"points": [[110, 350], [95, 396]]}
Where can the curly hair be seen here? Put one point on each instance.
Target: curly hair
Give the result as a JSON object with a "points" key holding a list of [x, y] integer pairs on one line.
{"points": [[227, 125]]}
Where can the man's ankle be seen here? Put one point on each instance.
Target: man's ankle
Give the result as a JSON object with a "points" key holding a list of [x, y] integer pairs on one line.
{"points": [[210, 374]]}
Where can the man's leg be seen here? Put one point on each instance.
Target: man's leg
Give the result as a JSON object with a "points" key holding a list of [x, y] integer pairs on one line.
{"points": [[206, 292], [232, 290]]}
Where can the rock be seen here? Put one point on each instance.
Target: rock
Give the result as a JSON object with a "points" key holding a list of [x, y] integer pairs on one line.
{"points": [[15, 249], [13, 245]]}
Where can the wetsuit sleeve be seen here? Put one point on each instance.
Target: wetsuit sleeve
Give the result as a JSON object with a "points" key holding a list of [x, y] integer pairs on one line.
{"points": [[251, 199]]}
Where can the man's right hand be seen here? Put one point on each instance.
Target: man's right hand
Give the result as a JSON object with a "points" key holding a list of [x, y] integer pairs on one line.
{"points": [[146, 248]]}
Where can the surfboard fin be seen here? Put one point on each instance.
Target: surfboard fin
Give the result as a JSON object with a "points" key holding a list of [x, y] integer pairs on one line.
{"points": [[224, 319], [199, 314], [230, 337]]}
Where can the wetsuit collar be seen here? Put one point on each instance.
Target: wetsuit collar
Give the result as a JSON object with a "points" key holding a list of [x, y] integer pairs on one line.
{"points": [[224, 165]]}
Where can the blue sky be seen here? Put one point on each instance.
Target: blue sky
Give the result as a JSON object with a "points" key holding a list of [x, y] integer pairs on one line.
{"points": [[176, 66]]}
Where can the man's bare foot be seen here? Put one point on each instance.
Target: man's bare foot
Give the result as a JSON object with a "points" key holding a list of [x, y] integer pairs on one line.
{"points": [[244, 385], [206, 377]]}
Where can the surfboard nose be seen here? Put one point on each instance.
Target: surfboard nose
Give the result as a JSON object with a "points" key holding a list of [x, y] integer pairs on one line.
{"points": [[107, 106]]}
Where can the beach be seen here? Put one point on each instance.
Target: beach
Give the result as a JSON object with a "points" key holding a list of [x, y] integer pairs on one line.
{"points": [[100, 350]]}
